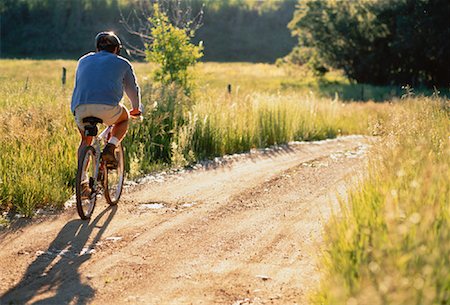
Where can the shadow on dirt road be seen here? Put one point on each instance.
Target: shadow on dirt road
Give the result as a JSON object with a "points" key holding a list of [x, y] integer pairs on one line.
{"points": [[53, 275]]}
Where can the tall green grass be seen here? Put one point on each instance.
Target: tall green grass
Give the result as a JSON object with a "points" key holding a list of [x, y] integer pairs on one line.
{"points": [[230, 123], [180, 131], [37, 146], [391, 243]]}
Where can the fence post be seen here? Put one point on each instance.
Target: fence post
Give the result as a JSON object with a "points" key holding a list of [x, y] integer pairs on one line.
{"points": [[25, 88], [229, 88], [63, 78]]}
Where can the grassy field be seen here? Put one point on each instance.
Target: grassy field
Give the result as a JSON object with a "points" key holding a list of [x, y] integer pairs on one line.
{"points": [[391, 243], [39, 137]]}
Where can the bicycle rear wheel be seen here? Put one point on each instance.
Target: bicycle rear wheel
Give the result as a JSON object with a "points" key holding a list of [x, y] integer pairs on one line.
{"points": [[85, 186], [114, 178]]}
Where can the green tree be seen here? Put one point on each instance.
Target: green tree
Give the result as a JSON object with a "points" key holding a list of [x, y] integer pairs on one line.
{"points": [[378, 41], [172, 50]]}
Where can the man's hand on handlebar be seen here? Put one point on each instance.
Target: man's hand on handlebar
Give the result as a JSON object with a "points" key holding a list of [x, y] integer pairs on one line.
{"points": [[135, 113]]}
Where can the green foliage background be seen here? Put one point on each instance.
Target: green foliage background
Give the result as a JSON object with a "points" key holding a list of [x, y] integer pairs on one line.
{"points": [[377, 41], [233, 30]]}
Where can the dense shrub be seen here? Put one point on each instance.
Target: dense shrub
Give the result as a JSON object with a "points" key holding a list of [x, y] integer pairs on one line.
{"points": [[378, 42]]}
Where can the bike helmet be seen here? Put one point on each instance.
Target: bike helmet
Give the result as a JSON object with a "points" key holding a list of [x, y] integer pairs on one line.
{"points": [[107, 41]]}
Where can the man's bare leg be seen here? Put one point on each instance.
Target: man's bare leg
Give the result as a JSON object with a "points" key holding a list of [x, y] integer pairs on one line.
{"points": [[121, 126], [117, 134], [85, 141]]}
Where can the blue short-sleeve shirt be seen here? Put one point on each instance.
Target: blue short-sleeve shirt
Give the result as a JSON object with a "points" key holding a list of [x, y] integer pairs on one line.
{"points": [[101, 78]]}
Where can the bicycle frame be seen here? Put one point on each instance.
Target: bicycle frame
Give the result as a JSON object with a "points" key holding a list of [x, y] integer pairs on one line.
{"points": [[104, 135], [93, 169]]}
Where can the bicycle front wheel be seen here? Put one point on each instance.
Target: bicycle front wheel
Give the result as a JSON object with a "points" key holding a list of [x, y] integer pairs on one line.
{"points": [[85, 186], [114, 178]]}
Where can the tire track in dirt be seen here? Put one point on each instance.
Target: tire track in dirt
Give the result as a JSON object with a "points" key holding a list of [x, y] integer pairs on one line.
{"points": [[244, 233]]}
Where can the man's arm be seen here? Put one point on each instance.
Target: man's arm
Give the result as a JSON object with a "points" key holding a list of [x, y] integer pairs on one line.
{"points": [[132, 90]]}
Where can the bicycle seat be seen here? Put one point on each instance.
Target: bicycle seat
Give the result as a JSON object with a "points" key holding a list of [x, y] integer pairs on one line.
{"points": [[91, 129], [92, 120]]}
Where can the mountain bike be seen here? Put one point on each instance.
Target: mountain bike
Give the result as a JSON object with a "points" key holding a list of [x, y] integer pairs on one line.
{"points": [[94, 175]]}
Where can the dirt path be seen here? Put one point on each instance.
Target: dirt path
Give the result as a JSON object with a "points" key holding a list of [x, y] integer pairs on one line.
{"points": [[246, 232]]}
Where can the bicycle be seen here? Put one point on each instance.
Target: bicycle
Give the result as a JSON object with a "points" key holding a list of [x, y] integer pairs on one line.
{"points": [[92, 170]]}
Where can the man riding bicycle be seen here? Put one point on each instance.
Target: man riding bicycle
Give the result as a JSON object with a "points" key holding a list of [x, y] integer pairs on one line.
{"points": [[101, 78]]}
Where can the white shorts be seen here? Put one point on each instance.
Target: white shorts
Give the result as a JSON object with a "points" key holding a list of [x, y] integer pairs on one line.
{"points": [[108, 113]]}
